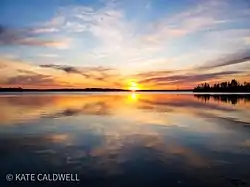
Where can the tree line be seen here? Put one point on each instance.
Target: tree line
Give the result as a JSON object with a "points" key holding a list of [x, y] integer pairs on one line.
{"points": [[227, 86]]}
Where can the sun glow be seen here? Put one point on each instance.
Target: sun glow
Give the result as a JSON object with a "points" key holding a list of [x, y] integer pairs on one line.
{"points": [[133, 86]]}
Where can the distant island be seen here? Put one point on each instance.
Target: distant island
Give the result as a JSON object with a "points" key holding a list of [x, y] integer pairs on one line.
{"points": [[230, 86], [19, 89]]}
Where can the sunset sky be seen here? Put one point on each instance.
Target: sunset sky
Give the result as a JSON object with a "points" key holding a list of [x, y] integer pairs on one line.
{"points": [[155, 44]]}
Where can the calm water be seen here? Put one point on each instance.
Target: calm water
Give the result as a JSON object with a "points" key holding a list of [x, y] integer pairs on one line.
{"points": [[128, 139]]}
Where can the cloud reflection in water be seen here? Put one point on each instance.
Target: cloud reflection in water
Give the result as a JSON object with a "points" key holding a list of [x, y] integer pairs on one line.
{"points": [[123, 137]]}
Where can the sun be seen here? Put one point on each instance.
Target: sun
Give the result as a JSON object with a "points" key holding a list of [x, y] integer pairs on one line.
{"points": [[133, 86]]}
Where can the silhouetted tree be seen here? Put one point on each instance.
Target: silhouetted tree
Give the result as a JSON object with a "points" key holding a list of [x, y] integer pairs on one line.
{"points": [[230, 86]]}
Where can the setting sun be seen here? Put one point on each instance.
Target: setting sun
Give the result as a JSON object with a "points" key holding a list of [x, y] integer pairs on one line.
{"points": [[133, 86]]}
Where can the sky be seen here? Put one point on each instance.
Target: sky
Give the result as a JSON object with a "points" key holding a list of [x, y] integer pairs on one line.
{"points": [[155, 44]]}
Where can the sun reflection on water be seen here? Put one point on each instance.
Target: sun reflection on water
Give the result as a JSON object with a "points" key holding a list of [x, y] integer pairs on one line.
{"points": [[133, 96]]}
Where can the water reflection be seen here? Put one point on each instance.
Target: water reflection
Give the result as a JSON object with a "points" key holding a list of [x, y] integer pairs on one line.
{"points": [[128, 139], [133, 96], [233, 99]]}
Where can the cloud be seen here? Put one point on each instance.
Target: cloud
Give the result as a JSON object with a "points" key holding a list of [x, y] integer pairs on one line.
{"points": [[49, 55], [31, 80], [235, 58], [67, 69], [186, 79], [151, 74], [112, 35], [106, 34], [42, 43], [24, 74], [202, 16], [95, 73], [10, 36], [247, 40], [51, 26], [44, 30], [12, 71]]}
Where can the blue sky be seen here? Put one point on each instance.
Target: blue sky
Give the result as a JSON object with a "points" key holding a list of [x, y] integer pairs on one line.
{"points": [[129, 37]]}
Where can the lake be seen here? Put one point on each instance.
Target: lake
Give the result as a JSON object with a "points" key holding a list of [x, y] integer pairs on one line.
{"points": [[127, 139]]}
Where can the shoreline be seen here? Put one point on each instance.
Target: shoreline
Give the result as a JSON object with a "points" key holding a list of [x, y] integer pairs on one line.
{"points": [[125, 91]]}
